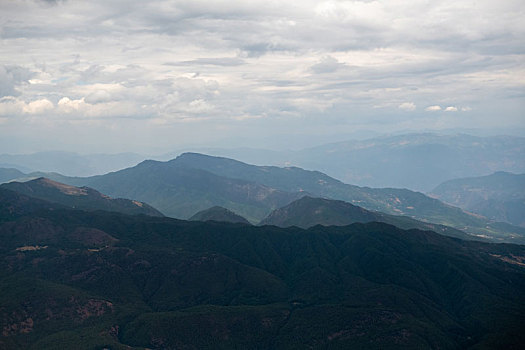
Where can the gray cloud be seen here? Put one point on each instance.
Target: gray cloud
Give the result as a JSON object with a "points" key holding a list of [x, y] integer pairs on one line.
{"points": [[12, 76], [327, 64], [211, 61], [167, 64]]}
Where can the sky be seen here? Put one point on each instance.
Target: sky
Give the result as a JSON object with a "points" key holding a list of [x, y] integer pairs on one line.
{"points": [[153, 76]]}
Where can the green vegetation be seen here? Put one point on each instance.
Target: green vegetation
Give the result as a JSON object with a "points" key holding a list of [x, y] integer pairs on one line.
{"points": [[218, 214], [91, 280], [194, 182], [387, 200], [307, 212]]}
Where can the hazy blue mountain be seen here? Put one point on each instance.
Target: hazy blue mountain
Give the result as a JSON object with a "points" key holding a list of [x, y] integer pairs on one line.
{"points": [[499, 197], [16, 166], [219, 214], [94, 280], [71, 164], [307, 212], [84, 198], [414, 161], [8, 174], [180, 191], [387, 200]]}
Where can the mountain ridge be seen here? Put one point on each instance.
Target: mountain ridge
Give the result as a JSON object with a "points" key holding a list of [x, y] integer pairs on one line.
{"points": [[219, 214], [308, 212], [84, 198], [499, 196], [193, 182]]}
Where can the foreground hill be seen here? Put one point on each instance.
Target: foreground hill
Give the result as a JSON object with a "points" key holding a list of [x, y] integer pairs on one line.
{"points": [[218, 214], [84, 198], [85, 280], [499, 197], [308, 212]]}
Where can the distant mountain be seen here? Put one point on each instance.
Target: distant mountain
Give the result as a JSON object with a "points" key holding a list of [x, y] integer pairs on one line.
{"points": [[71, 164], [387, 200], [84, 198], [180, 191], [92, 280], [308, 212], [415, 161], [219, 214], [193, 182], [8, 174], [499, 197]]}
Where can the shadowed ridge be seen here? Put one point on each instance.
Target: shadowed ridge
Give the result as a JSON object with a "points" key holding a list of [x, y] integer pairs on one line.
{"points": [[308, 212], [220, 214], [83, 198]]}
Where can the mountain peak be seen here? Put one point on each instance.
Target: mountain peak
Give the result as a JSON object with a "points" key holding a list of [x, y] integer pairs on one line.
{"points": [[309, 211], [65, 189], [217, 213]]}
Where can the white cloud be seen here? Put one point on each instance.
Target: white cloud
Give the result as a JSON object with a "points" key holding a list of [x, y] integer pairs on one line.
{"points": [[199, 106], [433, 108], [12, 106], [466, 109], [451, 109], [407, 106], [328, 63], [38, 107], [66, 105]]}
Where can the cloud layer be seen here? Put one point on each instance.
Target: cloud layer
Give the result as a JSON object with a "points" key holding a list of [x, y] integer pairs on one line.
{"points": [[220, 68]]}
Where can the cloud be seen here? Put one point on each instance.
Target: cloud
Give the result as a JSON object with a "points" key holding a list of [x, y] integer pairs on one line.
{"points": [[38, 106], [11, 76], [98, 97], [11, 106], [407, 106], [211, 61], [451, 109], [327, 64], [433, 108], [66, 105]]}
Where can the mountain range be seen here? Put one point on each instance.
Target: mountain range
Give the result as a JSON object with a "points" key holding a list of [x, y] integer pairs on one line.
{"points": [[95, 279], [69, 163], [499, 197], [418, 162], [193, 182]]}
